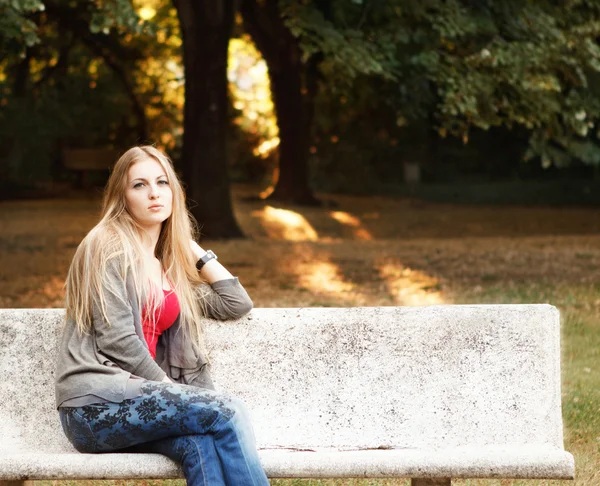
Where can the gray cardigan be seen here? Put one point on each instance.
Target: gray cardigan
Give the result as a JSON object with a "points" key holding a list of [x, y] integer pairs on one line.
{"points": [[101, 361]]}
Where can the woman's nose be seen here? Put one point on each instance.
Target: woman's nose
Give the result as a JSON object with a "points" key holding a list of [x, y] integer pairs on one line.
{"points": [[153, 191]]}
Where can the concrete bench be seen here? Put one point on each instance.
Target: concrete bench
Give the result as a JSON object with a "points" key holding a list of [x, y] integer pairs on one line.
{"points": [[429, 393]]}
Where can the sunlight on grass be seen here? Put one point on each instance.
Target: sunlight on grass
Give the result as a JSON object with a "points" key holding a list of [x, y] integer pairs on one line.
{"points": [[323, 277], [411, 287], [346, 218], [317, 274], [283, 224]]}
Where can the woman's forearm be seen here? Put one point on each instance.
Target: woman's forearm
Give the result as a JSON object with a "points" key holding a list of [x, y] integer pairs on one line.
{"points": [[212, 270]]}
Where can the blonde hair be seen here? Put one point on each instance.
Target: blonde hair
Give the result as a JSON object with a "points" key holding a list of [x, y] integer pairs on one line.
{"points": [[117, 240]]}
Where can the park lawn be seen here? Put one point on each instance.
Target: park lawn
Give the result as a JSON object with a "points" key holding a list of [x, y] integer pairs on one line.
{"points": [[360, 251]]}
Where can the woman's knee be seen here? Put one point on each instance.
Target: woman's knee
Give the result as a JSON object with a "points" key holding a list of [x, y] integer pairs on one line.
{"points": [[233, 413], [240, 423], [240, 414], [238, 407]]}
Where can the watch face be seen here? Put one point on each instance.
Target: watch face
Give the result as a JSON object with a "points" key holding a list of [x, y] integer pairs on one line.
{"points": [[209, 256]]}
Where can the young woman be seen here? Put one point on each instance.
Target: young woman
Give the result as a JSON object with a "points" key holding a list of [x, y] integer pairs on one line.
{"points": [[132, 373]]}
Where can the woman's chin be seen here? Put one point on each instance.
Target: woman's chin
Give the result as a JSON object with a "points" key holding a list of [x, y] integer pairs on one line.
{"points": [[149, 223]]}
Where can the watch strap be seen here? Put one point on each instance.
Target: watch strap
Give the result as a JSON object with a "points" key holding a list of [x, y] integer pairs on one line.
{"points": [[210, 255]]}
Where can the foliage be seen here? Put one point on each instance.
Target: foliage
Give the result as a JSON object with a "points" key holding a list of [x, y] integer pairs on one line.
{"points": [[19, 30], [97, 76], [519, 63], [16, 29], [461, 64], [347, 51], [118, 14], [159, 76], [37, 125]]}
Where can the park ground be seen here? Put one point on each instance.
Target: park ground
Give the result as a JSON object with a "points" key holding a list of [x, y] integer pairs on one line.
{"points": [[365, 251]]}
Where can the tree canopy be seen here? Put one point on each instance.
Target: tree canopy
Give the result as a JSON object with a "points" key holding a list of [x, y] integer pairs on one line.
{"points": [[463, 64]]}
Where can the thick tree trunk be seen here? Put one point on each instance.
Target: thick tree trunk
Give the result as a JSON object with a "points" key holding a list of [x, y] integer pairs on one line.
{"points": [[294, 133], [206, 27], [283, 57]]}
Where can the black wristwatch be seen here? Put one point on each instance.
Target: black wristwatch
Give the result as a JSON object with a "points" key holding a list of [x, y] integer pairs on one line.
{"points": [[210, 255]]}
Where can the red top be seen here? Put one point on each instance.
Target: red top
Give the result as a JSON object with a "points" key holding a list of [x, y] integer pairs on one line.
{"points": [[165, 317]]}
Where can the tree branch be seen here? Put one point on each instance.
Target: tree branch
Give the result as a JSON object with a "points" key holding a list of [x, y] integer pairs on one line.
{"points": [[365, 13]]}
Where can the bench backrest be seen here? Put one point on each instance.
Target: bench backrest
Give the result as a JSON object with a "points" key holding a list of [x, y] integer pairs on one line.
{"points": [[368, 378]]}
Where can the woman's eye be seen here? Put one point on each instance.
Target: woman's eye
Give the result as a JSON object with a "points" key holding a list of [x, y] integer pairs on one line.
{"points": [[163, 182], [138, 184]]}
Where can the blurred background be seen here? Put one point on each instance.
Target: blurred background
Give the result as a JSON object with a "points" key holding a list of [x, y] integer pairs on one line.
{"points": [[334, 153]]}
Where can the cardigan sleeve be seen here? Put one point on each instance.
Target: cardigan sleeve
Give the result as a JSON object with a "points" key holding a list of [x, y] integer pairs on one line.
{"points": [[226, 299], [116, 337]]}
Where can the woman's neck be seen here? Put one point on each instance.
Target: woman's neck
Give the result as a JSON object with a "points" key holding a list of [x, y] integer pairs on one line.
{"points": [[150, 239]]}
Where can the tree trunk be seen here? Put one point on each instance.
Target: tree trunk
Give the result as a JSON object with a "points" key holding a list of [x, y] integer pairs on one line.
{"points": [[283, 57], [294, 133], [206, 27]]}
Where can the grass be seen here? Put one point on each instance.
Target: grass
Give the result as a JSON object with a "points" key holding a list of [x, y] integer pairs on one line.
{"points": [[373, 251]]}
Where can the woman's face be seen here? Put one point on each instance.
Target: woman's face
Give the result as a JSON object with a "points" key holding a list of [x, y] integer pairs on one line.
{"points": [[148, 195]]}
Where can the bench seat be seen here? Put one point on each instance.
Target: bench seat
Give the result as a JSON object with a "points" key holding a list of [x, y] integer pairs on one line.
{"points": [[493, 462]]}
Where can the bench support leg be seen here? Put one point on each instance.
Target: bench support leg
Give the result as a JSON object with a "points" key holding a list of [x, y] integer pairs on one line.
{"points": [[430, 482], [16, 483]]}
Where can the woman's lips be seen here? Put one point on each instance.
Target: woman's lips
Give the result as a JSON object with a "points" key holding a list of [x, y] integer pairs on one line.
{"points": [[156, 207]]}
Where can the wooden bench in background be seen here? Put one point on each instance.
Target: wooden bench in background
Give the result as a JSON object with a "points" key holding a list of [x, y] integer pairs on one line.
{"points": [[85, 160]]}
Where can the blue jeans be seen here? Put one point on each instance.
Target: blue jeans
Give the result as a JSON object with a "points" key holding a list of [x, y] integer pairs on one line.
{"points": [[207, 432]]}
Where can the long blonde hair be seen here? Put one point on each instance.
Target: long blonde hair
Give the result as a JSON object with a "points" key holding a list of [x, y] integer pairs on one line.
{"points": [[117, 241]]}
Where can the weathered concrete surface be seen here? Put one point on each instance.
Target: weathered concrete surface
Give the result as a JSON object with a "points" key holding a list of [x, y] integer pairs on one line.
{"points": [[440, 391]]}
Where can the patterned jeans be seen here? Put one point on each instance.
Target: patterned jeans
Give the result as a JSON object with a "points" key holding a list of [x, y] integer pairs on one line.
{"points": [[207, 432]]}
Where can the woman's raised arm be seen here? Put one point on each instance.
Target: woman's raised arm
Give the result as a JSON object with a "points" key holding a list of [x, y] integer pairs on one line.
{"points": [[225, 296]]}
